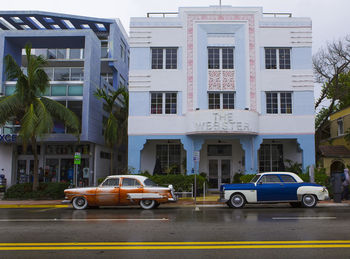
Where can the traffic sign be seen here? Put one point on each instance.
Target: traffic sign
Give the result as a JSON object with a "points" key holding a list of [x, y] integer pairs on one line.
{"points": [[196, 156], [77, 158]]}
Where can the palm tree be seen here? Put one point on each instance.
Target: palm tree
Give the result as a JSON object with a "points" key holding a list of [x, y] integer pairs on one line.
{"points": [[34, 112], [114, 126]]}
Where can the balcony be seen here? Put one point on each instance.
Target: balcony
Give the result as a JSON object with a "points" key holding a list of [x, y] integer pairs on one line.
{"points": [[222, 122]]}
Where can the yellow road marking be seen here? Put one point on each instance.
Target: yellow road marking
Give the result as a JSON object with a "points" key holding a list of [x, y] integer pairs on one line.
{"points": [[11, 206], [180, 243], [171, 247]]}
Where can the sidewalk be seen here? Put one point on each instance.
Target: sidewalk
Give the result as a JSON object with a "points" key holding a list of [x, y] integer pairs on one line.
{"points": [[208, 201]]}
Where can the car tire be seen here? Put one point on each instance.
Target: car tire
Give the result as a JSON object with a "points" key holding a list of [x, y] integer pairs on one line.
{"points": [[147, 204], [295, 204], [309, 201], [236, 201], [80, 203]]}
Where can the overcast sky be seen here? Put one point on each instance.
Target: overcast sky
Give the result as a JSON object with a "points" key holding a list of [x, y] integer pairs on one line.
{"points": [[330, 18]]}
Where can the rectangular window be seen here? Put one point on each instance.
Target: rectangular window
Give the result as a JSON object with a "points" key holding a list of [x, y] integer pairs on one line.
{"points": [[213, 58], [163, 103], [171, 58], [340, 127], [77, 74], [157, 58], [271, 158], [279, 102], [286, 103], [221, 100], [61, 74], [170, 61], [156, 103], [169, 156], [277, 58], [270, 58], [219, 150], [220, 58], [122, 52], [75, 54], [284, 58], [170, 103], [227, 58], [214, 100]]}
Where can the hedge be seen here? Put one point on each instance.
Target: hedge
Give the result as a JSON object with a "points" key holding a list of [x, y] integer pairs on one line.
{"points": [[45, 191]]}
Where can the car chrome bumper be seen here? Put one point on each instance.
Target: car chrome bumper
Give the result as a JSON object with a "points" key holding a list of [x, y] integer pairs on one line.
{"points": [[65, 201], [222, 200]]}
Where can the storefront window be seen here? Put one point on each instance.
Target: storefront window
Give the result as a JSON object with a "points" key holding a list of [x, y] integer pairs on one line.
{"points": [[67, 149], [51, 171], [67, 170], [169, 156]]}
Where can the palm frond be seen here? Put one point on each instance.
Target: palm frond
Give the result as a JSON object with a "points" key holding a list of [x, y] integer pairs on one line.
{"points": [[63, 114], [12, 69], [9, 107], [29, 123], [45, 120]]}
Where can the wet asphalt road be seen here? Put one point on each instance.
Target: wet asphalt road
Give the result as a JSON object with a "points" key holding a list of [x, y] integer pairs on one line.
{"points": [[219, 224]]}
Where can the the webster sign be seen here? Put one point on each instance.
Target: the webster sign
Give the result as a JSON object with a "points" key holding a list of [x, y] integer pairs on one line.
{"points": [[8, 138], [223, 121]]}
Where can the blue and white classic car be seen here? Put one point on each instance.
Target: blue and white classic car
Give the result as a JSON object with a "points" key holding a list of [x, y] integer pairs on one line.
{"points": [[273, 188]]}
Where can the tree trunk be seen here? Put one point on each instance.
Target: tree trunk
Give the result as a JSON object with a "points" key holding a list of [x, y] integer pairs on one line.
{"points": [[36, 165]]}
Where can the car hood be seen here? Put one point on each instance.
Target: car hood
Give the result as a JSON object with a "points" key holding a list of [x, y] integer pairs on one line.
{"points": [[237, 186]]}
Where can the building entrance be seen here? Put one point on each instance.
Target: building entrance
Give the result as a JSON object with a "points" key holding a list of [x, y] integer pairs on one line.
{"points": [[219, 172]]}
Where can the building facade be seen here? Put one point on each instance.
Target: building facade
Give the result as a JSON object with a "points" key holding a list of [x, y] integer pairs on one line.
{"points": [[83, 54], [335, 149], [220, 91]]}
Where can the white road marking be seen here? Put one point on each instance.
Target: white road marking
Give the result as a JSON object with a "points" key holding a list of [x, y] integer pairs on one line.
{"points": [[302, 218], [77, 220]]}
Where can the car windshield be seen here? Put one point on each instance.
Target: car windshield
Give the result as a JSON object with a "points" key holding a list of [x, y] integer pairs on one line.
{"points": [[149, 182], [255, 178]]}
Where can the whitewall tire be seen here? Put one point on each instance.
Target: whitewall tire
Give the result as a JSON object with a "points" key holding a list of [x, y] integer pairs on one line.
{"points": [[237, 201], [80, 203], [309, 201], [147, 204]]}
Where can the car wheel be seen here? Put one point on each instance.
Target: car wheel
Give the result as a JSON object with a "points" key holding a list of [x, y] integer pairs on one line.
{"points": [[295, 204], [309, 201], [147, 204], [236, 201], [80, 203]]}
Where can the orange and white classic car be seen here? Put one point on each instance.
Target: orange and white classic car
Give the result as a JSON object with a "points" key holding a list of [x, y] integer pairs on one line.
{"points": [[118, 190]]}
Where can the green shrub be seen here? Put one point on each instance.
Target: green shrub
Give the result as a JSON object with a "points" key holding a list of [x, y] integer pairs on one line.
{"points": [[45, 191], [237, 178], [246, 178], [181, 183]]}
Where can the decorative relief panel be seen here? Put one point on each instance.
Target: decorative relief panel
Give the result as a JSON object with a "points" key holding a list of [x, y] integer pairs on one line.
{"points": [[221, 80], [214, 80], [228, 80]]}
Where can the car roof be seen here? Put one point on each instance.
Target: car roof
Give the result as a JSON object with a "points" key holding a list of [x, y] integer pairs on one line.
{"points": [[295, 176], [139, 177]]}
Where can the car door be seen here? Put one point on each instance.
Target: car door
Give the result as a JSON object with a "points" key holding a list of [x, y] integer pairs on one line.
{"points": [[290, 187], [108, 193], [270, 188], [129, 185]]}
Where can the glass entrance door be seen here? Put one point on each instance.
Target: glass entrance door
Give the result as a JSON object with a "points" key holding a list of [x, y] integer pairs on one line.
{"points": [[219, 172], [25, 168]]}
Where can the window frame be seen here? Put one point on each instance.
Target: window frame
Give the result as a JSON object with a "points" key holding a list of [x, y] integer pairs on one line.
{"points": [[216, 60], [340, 127], [267, 157], [162, 58], [279, 63], [221, 100], [282, 107], [168, 154], [164, 103]]}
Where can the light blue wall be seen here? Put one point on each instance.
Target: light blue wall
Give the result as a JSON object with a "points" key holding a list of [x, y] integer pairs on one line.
{"points": [[139, 104], [140, 58], [120, 66], [303, 103], [301, 58]]}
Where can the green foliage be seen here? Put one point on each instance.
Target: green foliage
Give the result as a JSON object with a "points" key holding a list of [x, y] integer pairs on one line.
{"points": [[246, 178], [293, 167], [237, 178], [45, 191], [181, 183]]}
